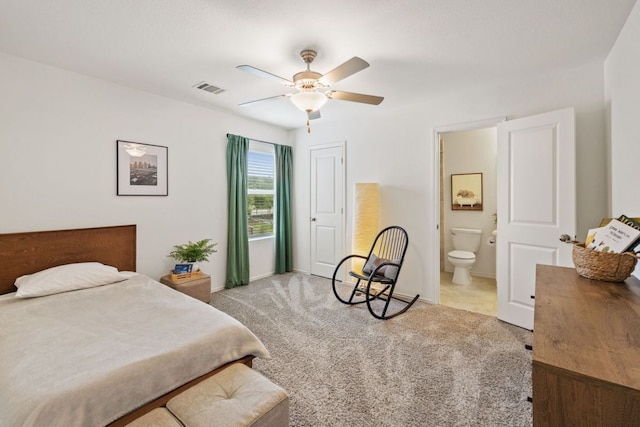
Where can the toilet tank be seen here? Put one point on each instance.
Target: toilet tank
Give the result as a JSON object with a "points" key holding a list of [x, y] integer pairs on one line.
{"points": [[466, 239]]}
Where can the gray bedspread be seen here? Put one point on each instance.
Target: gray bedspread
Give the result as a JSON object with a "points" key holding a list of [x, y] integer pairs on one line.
{"points": [[87, 357]]}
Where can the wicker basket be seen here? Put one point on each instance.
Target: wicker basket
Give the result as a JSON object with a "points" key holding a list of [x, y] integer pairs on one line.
{"points": [[185, 277], [603, 265]]}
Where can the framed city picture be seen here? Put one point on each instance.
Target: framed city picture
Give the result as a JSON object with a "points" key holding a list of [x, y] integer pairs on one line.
{"points": [[142, 169], [466, 192]]}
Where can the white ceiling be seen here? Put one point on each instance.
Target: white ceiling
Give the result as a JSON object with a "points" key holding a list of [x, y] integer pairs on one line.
{"points": [[416, 48]]}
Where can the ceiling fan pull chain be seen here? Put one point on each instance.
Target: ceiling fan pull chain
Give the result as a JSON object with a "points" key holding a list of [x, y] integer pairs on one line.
{"points": [[308, 126]]}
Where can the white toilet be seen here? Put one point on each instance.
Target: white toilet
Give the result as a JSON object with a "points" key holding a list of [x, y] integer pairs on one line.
{"points": [[466, 242]]}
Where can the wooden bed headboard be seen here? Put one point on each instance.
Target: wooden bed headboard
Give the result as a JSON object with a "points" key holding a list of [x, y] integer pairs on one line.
{"points": [[27, 253]]}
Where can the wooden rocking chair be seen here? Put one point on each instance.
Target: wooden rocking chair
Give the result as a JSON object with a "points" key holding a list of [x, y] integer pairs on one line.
{"points": [[377, 280]]}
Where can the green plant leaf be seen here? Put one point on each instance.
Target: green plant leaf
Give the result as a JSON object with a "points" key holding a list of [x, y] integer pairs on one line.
{"points": [[193, 252]]}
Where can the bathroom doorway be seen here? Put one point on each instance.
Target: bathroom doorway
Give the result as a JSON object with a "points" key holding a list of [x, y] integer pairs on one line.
{"points": [[469, 151]]}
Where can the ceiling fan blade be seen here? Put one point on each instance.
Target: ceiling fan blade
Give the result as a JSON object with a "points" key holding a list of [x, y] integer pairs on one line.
{"points": [[260, 73], [313, 115], [255, 101], [354, 97], [344, 70]]}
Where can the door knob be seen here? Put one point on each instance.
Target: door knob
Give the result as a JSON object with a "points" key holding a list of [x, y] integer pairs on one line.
{"points": [[313, 219]]}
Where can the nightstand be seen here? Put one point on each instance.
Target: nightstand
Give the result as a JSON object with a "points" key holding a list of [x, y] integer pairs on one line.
{"points": [[199, 288]]}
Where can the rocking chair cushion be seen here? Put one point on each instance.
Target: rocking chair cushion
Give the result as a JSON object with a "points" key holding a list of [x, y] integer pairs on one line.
{"points": [[388, 271]]}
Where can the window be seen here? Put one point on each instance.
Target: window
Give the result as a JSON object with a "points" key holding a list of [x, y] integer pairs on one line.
{"points": [[260, 188]]}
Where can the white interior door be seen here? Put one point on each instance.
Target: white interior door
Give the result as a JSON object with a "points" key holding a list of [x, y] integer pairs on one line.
{"points": [[327, 209], [536, 204]]}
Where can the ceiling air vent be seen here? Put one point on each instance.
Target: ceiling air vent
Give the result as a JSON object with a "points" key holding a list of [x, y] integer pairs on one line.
{"points": [[209, 88]]}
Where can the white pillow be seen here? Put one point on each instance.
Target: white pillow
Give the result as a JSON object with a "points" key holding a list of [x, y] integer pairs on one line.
{"points": [[67, 277]]}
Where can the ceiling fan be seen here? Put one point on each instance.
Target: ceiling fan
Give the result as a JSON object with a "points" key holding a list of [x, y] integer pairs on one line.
{"points": [[313, 87]]}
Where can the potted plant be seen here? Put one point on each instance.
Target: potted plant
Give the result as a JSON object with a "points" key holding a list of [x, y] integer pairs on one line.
{"points": [[193, 252]]}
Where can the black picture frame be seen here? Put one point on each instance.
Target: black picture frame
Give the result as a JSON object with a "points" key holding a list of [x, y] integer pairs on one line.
{"points": [[142, 169]]}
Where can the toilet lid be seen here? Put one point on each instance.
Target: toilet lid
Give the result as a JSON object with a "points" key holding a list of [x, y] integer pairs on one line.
{"points": [[462, 255]]}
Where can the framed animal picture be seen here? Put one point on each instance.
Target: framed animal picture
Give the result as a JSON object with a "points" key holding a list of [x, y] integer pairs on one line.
{"points": [[466, 192]]}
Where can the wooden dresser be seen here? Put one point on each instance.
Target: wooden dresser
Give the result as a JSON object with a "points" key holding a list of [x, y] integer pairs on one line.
{"points": [[586, 350]]}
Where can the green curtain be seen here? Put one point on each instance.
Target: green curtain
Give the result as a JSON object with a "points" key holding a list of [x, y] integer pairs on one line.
{"points": [[284, 175], [238, 226]]}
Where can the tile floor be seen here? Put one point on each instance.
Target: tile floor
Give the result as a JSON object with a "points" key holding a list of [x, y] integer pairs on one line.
{"points": [[479, 297]]}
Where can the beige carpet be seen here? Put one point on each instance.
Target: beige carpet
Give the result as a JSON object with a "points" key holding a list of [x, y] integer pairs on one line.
{"points": [[432, 366]]}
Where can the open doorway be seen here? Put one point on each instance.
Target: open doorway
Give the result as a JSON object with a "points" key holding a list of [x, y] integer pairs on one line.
{"points": [[467, 158]]}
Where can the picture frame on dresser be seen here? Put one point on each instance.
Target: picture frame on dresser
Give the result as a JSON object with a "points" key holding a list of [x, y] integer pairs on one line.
{"points": [[141, 169]]}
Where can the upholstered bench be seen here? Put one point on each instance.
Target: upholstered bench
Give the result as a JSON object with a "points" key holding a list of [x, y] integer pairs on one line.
{"points": [[236, 396]]}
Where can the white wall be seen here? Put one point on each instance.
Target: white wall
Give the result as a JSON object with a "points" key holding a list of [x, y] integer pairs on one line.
{"points": [[64, 125], [395, 148], [622, 83], [622, 98], [57, 163], [470, 152]]}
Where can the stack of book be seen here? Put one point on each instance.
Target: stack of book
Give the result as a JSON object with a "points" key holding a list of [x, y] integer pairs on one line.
{"points": [[617, 236]]}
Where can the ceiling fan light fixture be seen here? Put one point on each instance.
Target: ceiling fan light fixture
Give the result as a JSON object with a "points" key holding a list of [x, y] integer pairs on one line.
{"points": [[313, 87], [309, 101]]}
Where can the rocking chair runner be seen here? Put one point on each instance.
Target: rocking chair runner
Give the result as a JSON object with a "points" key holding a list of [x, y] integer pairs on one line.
{"points": [[380, 273]]}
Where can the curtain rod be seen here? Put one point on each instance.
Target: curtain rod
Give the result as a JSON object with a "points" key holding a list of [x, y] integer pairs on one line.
{"points": [[257, 140]]}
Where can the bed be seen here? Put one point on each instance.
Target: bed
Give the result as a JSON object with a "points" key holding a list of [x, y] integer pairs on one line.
{"points": [[107, 354]]}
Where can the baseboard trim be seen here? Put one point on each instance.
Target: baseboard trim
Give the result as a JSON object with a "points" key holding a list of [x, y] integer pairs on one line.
{"points": [[262, 276], [222, 288]]}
